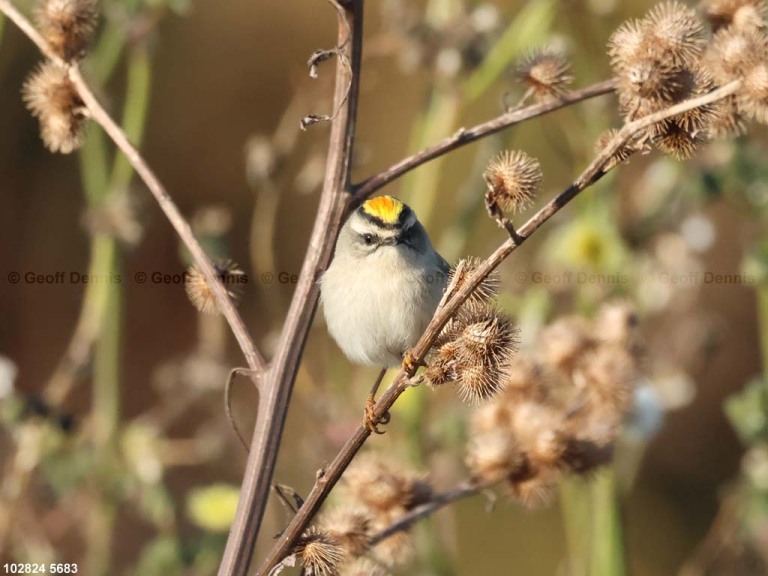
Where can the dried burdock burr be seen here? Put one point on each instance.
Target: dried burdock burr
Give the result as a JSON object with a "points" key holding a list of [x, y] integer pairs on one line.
{"points": [[564, 342], [513, 178], [67, 25], [492, 455], [539, 430], [53, 99], [319, 553], [531, 487], [383, 487], [621, 155], [676, 33], [350, 527], [473, 351], [673, 139], [737, 54], [486, 291], [617, 323], [545, 71], [485, 342], [607, 374], [200, 293], [655, 61], [743, 14], [524, 379]]}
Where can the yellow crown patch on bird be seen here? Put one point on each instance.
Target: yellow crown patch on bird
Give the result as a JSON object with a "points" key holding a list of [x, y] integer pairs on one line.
{"points": [[385, 208]]}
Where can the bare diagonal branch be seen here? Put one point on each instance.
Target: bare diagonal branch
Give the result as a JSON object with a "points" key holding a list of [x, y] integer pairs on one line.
{"points": [[466, 135]]}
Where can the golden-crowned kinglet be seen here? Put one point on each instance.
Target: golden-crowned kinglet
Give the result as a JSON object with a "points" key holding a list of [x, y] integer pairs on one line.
{"points": [[384, 283]]}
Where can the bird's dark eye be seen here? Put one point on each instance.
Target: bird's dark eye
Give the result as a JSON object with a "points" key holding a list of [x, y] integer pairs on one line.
{"points": [[368, 239]]}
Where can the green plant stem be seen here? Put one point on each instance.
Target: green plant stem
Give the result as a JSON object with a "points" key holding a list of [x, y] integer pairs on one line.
{"points": [[607, 555], [423, 186], [574, 506], [526, 29], [106, 258], [762, 322], [135, 111], [109, 49]]}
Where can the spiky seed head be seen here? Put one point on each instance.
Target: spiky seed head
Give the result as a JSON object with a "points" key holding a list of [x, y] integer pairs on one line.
{"points": [[394, 551], [673, 139], [478, 382], [350, 527], [460, 274], [490, 339], [492, 456], [564, 341], [67, 25], [727, 122], [530, 487], [200, 293], [607, 374], [697, 121], [319, 553], [382, 486], [441, 366], [523, 377], [750, 17], [627, 45], [513, 178], [733, 53], [490, 417], [617, 323], [116, 216], [621, 155], [539, 432], [675, 33], [754, 96], [740, 54], [741, 14], [545, 71], [487, 341], [53, 99]]}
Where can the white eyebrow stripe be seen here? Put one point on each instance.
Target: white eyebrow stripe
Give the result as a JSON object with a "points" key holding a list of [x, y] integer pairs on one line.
{"points": [[360, 226]]}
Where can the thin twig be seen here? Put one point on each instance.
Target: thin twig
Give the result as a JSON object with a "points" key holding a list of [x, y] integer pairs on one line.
{"points": [[466, 135], [596, 170], [465, 490], [231, 379]]}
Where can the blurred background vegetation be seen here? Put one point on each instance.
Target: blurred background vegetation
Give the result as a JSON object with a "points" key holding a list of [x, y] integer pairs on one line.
{"points": [[114, 447]]}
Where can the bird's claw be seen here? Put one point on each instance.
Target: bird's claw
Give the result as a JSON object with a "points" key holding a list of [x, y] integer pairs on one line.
{"points": [[409, 362], [370, 421]]}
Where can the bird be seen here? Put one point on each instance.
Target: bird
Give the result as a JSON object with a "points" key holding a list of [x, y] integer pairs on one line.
{"points": [[382, 286]]}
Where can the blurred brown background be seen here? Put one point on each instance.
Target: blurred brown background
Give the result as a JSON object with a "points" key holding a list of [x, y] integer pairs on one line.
{"points": [[226, 71]]}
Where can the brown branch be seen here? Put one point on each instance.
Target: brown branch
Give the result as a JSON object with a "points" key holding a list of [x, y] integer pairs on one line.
{"points": [[465, 490], [600, 166], [335, 197], [466, 135]]}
